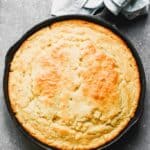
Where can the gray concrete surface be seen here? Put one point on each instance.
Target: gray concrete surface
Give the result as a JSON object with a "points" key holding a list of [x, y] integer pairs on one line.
{"points": [[16, 17]]}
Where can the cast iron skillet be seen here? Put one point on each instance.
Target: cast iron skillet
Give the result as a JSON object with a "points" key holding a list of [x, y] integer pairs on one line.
{"points": [[96, 20]]}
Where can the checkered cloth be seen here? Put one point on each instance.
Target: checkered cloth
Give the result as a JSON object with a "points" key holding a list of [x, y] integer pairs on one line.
{"points": [[129, 8]]}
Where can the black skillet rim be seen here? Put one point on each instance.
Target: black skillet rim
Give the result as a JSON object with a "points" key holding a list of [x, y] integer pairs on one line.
{"points": [[94, 19]]}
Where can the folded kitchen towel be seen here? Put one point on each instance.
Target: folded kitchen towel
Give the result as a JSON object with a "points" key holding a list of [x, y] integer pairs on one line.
{"points": [[129, 8]]}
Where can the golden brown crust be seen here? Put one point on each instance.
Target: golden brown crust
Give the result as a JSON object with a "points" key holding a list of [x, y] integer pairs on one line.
{"points": [[74, 85]]}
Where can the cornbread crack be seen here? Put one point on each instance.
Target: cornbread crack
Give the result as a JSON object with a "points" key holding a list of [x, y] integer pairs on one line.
{"points": [[74, 85]]}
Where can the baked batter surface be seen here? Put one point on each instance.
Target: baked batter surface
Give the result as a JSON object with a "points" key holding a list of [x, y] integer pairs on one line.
{"points": [[74, 85]]}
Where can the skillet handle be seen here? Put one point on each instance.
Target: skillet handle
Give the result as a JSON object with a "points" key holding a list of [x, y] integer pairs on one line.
{"points": [[107, 17]]}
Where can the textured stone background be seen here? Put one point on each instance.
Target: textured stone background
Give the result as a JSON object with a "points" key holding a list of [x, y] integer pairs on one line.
{"points": [[16, 17]]}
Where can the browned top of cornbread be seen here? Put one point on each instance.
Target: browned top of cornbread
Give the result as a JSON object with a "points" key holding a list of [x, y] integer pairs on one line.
{"points": [[74, 85]]}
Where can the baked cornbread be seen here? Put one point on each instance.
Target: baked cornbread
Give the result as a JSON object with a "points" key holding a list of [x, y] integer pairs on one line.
{"points": [[74, 85]]}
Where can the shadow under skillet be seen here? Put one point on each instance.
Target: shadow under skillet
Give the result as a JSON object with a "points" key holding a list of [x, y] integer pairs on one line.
{"points": [[127, 140], [130, 139]]}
